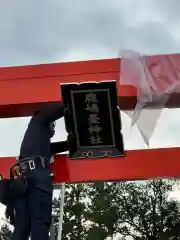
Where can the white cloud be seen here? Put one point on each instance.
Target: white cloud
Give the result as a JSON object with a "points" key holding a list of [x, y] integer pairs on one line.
{"points": [[50, 31], [45, 31]]}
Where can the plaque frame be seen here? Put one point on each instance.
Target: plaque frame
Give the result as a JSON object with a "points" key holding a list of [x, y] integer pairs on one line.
{"points": [[76, 149]]}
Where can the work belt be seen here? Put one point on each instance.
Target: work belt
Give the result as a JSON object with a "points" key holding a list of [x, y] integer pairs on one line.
{"points": [[27, 165], [18, 174]]}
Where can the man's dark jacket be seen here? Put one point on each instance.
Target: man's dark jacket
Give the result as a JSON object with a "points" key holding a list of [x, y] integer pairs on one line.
{"points": [[37, 142], [37, 139]]}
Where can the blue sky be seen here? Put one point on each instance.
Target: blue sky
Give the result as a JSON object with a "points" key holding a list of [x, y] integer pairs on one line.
{"points": [[46, 31]]}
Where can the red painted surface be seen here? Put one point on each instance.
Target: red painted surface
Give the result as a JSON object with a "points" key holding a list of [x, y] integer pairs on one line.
{"points": [[136, 165], [25, 89]]}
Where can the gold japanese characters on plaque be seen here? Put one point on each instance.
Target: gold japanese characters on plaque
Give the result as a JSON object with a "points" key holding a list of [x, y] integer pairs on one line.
{"points": [[94, 127]]}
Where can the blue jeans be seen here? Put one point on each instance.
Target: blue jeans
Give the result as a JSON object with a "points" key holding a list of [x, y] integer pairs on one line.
{"points": [[33, 211]]}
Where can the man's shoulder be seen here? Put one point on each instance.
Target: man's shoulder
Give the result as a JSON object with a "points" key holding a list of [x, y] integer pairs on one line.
{"points": [[34, 120]]}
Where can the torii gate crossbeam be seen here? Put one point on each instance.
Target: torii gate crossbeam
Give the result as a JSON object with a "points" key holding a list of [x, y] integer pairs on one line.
{"points": [[27, 88]]}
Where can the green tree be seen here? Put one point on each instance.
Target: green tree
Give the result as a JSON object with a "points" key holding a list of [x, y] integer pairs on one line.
{"points": [[5, 233], [102, 211], [141, 211], [146, 213], [73, 219]]}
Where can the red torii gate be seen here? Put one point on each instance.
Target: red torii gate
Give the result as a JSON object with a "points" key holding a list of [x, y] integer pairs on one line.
{"points": [[27, 88]]}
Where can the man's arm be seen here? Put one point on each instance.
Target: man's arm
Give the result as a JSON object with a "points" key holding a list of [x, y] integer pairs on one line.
{"points": [[58, 147], [52, 114]]}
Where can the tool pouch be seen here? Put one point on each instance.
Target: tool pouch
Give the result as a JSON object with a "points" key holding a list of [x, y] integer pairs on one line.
{"points": [[17, 182]]}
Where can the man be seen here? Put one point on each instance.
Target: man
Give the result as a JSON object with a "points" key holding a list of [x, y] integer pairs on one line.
{"points": [[33, 209]]}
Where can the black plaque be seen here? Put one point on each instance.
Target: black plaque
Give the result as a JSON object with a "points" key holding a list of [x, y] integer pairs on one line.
{"points": [[92, 120]]}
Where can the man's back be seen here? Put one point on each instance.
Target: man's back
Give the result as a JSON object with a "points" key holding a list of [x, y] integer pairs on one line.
{"points": [[36, 140], [38, 135]]}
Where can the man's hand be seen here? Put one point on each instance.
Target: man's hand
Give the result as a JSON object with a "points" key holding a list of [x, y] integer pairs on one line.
{"points": [[58, 147], [10, 214]]}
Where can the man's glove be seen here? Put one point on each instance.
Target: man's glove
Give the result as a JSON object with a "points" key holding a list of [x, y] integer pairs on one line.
{"points": [[10, 214], [58, 147]]}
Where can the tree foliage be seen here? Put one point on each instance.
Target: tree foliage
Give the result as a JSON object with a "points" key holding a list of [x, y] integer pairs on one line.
{"points": [[138, 210], [74, 217], [134, 210], [5, 233]]}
